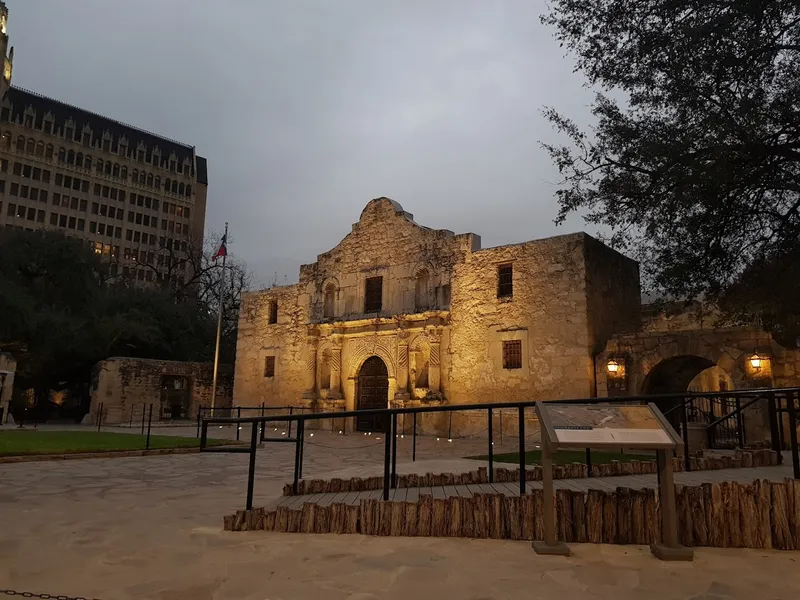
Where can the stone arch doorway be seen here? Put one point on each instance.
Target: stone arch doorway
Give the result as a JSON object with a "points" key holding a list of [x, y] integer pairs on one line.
{"points": [[372, 391], [687, 373]]}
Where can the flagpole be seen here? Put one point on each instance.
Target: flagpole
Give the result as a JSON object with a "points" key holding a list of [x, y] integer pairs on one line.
{"points": [[219, 323]]}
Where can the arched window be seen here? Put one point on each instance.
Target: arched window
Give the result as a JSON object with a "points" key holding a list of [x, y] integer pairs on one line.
{"points": [[6, 141], [99, 167], [21, 143], [79, 159], [48, 152], [174, 186], [62, 155], [142, 177], [157, 182], [329, 304], [188, 189], [71, 157], [150, 180], [166, 184], [422, 291], [87, 162], [107, 168], [181, 189], [115, 170], [30, 147], [124, 173], [134, 175], [40, 149]]}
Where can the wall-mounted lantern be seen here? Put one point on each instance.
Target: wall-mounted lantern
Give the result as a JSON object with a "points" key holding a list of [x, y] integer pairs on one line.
{"points": [[613, 367], [756, 361]]}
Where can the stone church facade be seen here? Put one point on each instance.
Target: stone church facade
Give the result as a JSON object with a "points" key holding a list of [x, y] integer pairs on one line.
{"points": [[399, 314]]}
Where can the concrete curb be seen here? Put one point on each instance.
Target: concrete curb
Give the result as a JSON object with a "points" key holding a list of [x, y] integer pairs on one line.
{"points": [[79, 455]]}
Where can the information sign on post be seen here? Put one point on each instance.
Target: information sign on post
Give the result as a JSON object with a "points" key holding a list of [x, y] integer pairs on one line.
{"points": [[610, 427]]}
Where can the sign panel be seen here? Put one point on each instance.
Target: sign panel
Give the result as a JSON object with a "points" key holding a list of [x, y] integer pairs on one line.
{"points": [[605, 425]]}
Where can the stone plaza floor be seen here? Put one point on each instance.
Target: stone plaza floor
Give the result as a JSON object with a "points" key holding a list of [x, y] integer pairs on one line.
{"points": [[151, 527]]}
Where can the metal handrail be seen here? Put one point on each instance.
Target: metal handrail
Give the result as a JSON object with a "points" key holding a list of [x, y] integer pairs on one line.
{"points": [[390, 453], [737, 411]]}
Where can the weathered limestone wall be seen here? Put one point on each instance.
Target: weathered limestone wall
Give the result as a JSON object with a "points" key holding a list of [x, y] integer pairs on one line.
{"points": [[547, 313], [441, 325], [128, 386], [613, 293], [286, 340], [8, 367]]}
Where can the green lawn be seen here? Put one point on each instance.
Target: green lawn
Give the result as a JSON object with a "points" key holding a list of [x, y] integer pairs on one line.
{"points": [[566, 457], [31, 441]]}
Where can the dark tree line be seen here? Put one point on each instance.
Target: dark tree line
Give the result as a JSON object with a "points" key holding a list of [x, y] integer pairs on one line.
{"points": [[62, 310]]}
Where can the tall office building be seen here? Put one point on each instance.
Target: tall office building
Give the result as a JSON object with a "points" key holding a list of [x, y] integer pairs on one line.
{"points": [[137, 197]]}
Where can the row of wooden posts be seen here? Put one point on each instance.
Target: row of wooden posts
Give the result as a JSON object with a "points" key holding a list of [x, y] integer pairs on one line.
{"points": [[727, 515], [698, 462]]}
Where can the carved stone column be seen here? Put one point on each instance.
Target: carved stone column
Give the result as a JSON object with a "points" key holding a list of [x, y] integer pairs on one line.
{"points": [[310, 375], [402, 371], [336, 370], [434, 368]]}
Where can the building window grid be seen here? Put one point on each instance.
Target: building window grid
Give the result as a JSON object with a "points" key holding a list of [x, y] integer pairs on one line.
{"points": [[512, 354], [373, 295], [269, 366]]}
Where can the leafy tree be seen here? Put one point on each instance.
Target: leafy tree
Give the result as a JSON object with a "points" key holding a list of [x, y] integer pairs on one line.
{"points": [[694, 160], [64, 312]]}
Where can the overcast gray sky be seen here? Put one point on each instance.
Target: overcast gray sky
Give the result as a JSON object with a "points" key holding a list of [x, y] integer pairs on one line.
{"points": [[307, 109]]}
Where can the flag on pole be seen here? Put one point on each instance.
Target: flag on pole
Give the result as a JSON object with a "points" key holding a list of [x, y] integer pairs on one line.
{"points": [[223, 248]]}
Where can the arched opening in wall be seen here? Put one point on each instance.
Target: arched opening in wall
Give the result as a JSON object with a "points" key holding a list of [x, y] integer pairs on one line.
{"points": [[329, 302], [689, 373], [372, 391], [422, 299]]}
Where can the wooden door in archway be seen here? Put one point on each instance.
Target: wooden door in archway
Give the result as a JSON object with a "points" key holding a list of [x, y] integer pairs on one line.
{"points": [[373, 392]]}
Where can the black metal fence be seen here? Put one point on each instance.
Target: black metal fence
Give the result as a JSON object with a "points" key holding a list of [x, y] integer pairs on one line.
{"points": [[781, 406]]}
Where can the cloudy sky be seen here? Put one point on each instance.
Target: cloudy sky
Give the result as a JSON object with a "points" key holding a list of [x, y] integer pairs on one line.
{"points": [[307, 109]]}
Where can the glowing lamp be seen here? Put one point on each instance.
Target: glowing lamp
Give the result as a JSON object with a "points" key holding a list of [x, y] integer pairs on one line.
{"points": [[755, 362], [613, 367]]}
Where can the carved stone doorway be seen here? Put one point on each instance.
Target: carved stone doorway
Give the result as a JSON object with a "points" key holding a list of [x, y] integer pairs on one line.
{"points": [[372, 392]]}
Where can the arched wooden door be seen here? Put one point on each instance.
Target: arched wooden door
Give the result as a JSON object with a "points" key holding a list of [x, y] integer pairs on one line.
{"points": [[373, 392]]}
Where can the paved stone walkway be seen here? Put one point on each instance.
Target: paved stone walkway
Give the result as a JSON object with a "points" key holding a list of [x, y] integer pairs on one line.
{"points": [[151, 528]]}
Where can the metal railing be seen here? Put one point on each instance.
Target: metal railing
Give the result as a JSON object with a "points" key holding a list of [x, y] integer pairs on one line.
{"points": [[389, 416]]}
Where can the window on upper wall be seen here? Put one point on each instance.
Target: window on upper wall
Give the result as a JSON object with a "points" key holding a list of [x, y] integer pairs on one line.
{"points": [[269, 366], [512, 354], [329, 304], [273, 312], [505, 281], [373, 295]]}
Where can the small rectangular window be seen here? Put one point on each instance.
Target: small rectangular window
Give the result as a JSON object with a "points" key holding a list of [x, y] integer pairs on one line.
{"points": [[373, 295], [62, 220], [505, 281], [269, 366], [92, 227], [40, 216], [273, 312], [53, 219], [512, 354], [81, 224]]}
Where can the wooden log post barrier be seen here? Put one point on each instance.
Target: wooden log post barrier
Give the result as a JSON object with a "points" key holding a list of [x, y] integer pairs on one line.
{"points": [[763, 514]]}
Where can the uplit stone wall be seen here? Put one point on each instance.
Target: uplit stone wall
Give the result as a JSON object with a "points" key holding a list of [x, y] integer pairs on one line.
{"points": [[128, 386], [441, 327]]}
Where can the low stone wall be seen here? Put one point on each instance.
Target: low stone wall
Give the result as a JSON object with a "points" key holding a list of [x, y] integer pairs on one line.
{"points": [[698, 462], [724, 515]]}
